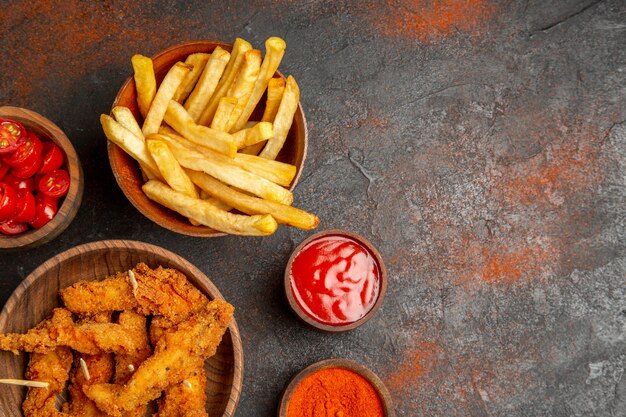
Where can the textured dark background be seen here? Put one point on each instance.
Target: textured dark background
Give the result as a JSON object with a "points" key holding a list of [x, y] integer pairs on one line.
{"points": [[483, 153]]}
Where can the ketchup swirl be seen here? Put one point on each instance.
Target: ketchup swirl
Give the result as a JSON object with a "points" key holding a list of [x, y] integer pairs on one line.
{"points": [[335, 280]]}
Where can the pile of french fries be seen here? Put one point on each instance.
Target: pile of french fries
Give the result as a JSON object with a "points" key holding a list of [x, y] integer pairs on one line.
{"points": [[199, 152]]}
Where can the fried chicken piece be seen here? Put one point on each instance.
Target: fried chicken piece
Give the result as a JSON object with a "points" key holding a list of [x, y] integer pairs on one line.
{"points": [[185, 399], [175, 357], [112, 294], [60, 330], [162, 291], [52, 367], [100, 367], [122, 361]]}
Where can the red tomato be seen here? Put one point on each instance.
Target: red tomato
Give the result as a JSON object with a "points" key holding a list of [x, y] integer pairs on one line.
{"points": [[52, 157], [8, 201], [27, 184], [27, 171], [11, 227], [45, 210], [12, 134], [55, 183], [25, 211], [27, 153], [4, 168]]}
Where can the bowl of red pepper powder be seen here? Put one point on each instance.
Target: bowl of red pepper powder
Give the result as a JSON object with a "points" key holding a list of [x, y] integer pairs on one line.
{"points": [[336, 388]]}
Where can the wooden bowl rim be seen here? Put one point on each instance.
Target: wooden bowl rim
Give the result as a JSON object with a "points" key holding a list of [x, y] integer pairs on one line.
{"points": [[190, 230], [104, 245], [365, 372], [325, 327], [72, 200]]}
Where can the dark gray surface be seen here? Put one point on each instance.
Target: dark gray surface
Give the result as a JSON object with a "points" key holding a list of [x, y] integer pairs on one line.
{"points": [[486, 163]]}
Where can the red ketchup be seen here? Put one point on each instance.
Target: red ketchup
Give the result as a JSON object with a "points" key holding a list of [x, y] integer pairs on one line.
{"points": [[335, 280]]}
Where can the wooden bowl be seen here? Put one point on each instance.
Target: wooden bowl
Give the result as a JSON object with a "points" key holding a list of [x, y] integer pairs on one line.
{"points": [[126, 170], [370, 376], [45, 129], [326, 327], [37, 295]]}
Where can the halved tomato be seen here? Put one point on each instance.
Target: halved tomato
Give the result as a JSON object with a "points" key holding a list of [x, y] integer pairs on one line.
{"points": [[25, 210], [27, 184], [27, 171], [11, 227], [8, 201], [12, 134], [55, 183], [27, 153], [52, 157], [45, 210]]}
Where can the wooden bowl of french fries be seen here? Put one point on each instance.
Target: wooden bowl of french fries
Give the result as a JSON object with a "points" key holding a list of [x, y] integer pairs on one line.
{"points": [[83, 294], [208, 138]]}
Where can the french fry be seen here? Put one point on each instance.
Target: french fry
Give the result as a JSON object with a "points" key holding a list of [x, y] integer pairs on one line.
{"points": [[275, 171], [209, 215], [177, 117], [275, 90], [228, 173], [252, 205], [125, 117], [217, 203], [240, 47], [145, 82], [197, 61], [222, 115], [284, 119], [131, 144], [274, 52], [255, 134], [170, 169], [164, 95], [204, 89], [243, 85]]}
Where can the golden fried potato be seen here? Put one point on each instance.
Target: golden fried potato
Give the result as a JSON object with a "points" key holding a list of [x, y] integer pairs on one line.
{"points": [[170, 168], [197, 61], [283, 120], [145, 82], [204, 89], [209, 215], [163, 96], [274, 51]]}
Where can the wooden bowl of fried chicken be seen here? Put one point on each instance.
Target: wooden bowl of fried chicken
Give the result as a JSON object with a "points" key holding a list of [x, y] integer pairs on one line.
{"points": [[119, 328]]}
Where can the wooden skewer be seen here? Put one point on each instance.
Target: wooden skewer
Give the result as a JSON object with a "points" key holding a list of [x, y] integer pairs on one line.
{"points": [[133, 280], [187, 384], [22, 382], [83, 366]]}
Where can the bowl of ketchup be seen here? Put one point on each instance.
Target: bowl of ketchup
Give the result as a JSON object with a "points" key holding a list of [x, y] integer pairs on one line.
{"points": [[335, 280]]}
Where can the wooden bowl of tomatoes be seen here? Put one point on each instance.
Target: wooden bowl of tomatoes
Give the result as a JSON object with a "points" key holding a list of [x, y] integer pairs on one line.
{"points": [[41, 179]]}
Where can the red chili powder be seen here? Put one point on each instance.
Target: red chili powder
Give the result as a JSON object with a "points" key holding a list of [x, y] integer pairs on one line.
{"points": [[58, 44], [428, 19], [413, 366], [335, 392]]}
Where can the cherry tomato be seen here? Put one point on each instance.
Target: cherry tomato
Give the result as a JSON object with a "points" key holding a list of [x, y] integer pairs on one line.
{"points": [[27, 184], [27, 153], [8, 201], [45, 210], [27, 171], [11, 227], [52, 157], [55, 183], [25, 211], [4, 168], [12, 134]]}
